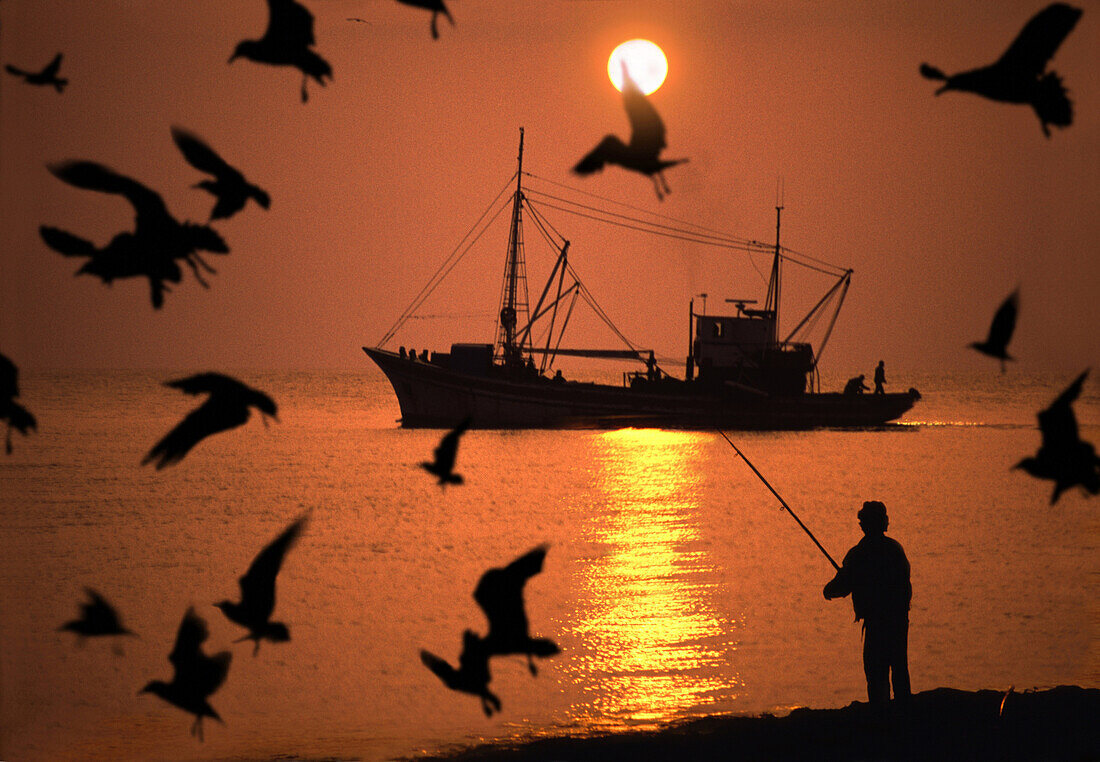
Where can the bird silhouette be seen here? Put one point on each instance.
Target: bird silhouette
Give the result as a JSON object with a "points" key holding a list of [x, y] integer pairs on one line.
{"points": [[226, 408], [228, 186], [16, 416], [287, 42], [647, 140], [97, 618], [48, 75], [197, 676], [436, 7], [258, 591], [1000, 330], [151, 250], [1019, 75], [1064, 457], [499, 593], [444, 463], [472, 675]]}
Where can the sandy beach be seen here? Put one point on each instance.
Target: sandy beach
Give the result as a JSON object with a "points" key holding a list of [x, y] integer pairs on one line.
{"points": [[942, 724]]}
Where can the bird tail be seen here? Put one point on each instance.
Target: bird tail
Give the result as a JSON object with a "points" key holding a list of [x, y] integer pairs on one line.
{"points": [[931, 72], [1052, 103], [66, 243]]}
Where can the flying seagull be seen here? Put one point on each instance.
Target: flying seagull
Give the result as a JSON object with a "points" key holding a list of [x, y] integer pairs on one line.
{"points": [[472, 675], [436, 7], [647, 140], [196, 676], [1000, 330], [499, 593], [1064, 457], [287, 42], [17, 416], [1020, 75], [444, 463], [48, 75], [151, 250], [97, 618], [258, 591], [226, 408], [228, 186]]}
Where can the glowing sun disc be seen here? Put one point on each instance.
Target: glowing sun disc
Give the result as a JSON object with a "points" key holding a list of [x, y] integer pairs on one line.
{"points": [[645, 61]]}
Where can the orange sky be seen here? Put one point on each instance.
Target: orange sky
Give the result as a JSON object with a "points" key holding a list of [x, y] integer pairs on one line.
{"points": [[940, 205]]}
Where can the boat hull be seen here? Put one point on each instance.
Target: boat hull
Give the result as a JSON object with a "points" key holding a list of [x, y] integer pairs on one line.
{"points": [[431, 396]]}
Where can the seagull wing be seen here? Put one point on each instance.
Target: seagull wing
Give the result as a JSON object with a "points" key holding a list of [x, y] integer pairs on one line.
{"points": [[67, 244], [499, 592], [90, 175], [1040, 39], [647, 131], [289, 23], [1004, 322], [191, 635], [201, 156], [1058, 422], [448, 447], [208, 418], [210, 383], [9, 378], [595, 159], [258, 583], [52, 67]]}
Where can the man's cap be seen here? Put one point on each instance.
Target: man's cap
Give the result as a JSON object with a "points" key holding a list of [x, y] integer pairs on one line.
{"points": [[872, 511]]}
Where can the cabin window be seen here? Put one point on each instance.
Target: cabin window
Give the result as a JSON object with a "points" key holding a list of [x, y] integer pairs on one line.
{"points": [[718, 326]]}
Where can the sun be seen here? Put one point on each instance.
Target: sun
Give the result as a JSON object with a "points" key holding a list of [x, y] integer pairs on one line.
{"points": [[645, 61]]}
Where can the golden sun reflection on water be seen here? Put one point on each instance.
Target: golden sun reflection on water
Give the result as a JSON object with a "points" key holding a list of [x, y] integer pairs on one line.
{"points": [[654, 644]]}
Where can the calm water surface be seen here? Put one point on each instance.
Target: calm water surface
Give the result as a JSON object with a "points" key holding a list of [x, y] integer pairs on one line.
{"points": [[674, 584]]}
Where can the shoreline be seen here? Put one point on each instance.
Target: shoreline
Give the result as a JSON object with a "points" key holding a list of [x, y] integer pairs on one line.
{"points": [[942, 723]]}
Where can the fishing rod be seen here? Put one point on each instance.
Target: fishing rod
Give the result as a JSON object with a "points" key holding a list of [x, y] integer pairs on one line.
{"points": [[781, 500]]}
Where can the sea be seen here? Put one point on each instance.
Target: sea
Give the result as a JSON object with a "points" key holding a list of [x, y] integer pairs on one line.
{"points": [[674, 583]]}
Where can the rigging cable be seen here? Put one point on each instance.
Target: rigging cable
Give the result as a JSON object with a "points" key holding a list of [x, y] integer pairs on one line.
{"points": [[444, 269]]}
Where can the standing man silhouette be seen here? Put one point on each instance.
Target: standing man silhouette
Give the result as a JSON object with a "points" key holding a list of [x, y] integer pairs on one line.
{"points": [[876, 574], [880, 378]]}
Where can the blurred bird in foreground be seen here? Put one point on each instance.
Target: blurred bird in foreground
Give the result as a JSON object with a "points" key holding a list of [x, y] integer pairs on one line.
{"points": [[226, 408], [48, 75], [17, 416], [444, 463], [197, 676], [499, 593], [1000, 330], [228, 186], [1064, 457], [151, 250], [436, 7], [97, 618], [472, 675], [287, 42], [1019, 75], [647, 140], [258, 591]]}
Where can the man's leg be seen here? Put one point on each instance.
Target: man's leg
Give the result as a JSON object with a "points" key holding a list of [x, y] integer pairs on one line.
{"points": [[899, 659], [876, 662]]}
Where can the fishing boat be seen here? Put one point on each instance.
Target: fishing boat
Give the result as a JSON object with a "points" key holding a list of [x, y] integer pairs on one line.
{"points": [[739, 373]]}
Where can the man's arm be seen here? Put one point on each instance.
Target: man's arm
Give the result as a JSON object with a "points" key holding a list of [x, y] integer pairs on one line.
{"points": [[839, 586]]}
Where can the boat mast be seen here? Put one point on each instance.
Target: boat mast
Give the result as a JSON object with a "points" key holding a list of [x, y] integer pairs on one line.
{"points": [[515, 270], [771, 304]]}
